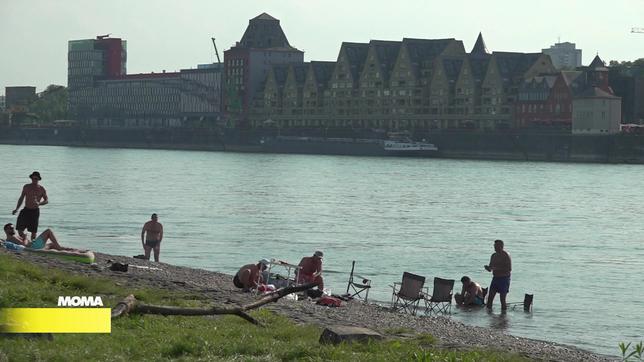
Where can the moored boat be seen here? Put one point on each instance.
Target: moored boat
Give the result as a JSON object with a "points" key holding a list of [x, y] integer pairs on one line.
{"points": [[409, 148]]}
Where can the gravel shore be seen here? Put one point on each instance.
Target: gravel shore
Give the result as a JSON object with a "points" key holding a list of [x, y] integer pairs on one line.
{"points": [[218, 287]]}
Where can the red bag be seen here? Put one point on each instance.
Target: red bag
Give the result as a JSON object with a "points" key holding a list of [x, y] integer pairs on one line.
{"points": [[330, 301]]}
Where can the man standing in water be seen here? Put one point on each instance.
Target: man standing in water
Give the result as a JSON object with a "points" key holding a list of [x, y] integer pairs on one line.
{"points": [[501, 268], [34, 196], [151, 236]]}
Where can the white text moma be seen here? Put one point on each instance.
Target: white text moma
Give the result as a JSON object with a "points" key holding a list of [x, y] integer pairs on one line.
{"points": [[83, 301]]}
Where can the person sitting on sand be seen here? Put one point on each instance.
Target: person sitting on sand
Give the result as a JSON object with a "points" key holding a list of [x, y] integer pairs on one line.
{"points": [[47, 240], [471, 293], [250, 275], [311, 270]]}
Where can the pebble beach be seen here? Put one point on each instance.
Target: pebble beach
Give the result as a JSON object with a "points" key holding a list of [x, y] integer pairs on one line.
{"points": [[218, 288]]}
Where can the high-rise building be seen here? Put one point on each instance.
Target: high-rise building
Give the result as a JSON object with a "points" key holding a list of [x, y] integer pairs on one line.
{"points": [[565, 56], [246, 65], [101, 92]]}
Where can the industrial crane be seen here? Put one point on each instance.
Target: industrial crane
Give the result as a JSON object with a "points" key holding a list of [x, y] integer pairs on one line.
{"points": [[216, 52], [637, 30]]}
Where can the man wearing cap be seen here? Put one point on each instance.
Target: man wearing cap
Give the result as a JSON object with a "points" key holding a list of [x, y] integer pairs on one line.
{"points": [[311, 269], [34, 196], [151, 236], [250, 275]]}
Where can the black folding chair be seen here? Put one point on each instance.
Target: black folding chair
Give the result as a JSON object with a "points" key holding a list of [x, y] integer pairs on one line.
{"points": [[355, 289], [408, 293], [441, 299]]}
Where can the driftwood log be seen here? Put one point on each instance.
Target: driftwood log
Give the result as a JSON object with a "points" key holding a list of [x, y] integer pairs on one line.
{"points": [[131, 305]]}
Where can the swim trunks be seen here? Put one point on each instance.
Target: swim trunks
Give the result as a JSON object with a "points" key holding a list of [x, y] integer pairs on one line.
{"points": [[28, 219], [38, 243], [479, 300], [500, 285], [152, 243]]}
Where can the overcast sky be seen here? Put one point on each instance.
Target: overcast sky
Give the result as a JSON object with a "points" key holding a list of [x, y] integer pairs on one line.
{"points": [[172, 35]]}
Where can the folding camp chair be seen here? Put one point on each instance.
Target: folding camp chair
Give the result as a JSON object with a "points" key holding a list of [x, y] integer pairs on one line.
{"points": [[355, 289], [527, 303], [441, 299], [408, 293]]}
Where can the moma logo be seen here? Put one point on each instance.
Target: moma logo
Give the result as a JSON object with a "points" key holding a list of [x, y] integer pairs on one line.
{"points": [[76, 301]]}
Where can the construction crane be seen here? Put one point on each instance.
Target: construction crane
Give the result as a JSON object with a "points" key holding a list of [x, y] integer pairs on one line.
{"points": [[637, 30], [216, 52]]}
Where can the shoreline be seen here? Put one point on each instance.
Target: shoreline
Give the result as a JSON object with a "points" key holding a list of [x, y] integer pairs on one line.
{"points": [[508, 146], [218, 288]]}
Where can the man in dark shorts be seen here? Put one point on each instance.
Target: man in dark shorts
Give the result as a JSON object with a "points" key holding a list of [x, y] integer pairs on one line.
{"points": [[501, 268], [34, 196], [151, 236], [250, 276]]}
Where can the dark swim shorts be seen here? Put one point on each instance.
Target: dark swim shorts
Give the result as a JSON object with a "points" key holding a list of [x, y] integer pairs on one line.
{"points": [[500, 285], [152, 243], [28, 219]]}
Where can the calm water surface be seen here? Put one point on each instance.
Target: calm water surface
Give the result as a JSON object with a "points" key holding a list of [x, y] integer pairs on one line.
{"points": [[573, 230]]}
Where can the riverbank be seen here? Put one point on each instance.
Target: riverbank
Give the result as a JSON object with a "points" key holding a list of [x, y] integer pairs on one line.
{"points": [[217, 288], [517, 145]]}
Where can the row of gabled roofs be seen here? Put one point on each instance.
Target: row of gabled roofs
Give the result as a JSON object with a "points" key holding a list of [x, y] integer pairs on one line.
{"points": [[421, 52]]}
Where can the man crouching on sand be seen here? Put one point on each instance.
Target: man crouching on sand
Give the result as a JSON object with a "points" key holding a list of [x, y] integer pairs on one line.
{"points": [[250, 275], [311, 270], [46, 240]]}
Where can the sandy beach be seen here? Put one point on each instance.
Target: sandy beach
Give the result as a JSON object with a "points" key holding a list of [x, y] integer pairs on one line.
{"points": [[218, 288]]}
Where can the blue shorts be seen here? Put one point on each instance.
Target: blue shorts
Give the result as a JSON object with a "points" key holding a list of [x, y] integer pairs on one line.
{"points": [[500, 285], [38, 243], [478, 300]]}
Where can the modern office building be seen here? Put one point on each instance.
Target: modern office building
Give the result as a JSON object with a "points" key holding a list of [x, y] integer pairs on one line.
{"points": [[2, 103], [246, 65], [565, 56], [101, 93]]}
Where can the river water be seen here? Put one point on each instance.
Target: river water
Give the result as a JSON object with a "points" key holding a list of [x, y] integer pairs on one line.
{"points": [[573, 230]]}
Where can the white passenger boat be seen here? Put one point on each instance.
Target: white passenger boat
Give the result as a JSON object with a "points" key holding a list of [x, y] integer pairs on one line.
{"points": [[407, 147]]}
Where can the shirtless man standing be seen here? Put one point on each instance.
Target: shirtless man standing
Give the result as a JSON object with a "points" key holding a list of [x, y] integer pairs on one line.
{"points": [[34, 196], [501, 268], [151, 236]]}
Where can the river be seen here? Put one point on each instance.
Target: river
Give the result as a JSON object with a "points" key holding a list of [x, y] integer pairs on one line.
{"points": [[573, 230]]}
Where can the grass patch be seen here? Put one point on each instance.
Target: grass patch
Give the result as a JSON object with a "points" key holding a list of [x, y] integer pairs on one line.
{"points": [[159, 338]]}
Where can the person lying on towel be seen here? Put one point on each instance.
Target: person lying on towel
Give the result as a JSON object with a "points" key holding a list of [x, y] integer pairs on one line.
{"points": [[45, 241]]}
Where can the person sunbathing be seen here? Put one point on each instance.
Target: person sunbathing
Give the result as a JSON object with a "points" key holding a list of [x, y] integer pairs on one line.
{"points": [[45, 241]]}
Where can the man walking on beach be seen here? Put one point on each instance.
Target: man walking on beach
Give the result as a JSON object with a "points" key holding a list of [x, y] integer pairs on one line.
{"points": [[34, 196], [501, 268], [151, 236], [311, 270]]}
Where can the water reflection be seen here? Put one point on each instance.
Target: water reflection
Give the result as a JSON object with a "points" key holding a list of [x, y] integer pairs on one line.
{"points": [[499, 321]]}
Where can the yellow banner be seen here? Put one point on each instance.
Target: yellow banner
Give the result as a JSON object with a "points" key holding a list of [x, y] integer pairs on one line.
{"points": [[55, 320]]}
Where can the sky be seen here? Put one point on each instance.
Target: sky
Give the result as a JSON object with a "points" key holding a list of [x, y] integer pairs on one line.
{"points": [[173, 35]]}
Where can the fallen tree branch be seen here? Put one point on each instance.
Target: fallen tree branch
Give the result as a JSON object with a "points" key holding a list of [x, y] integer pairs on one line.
{"points": [[131, 305]]}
